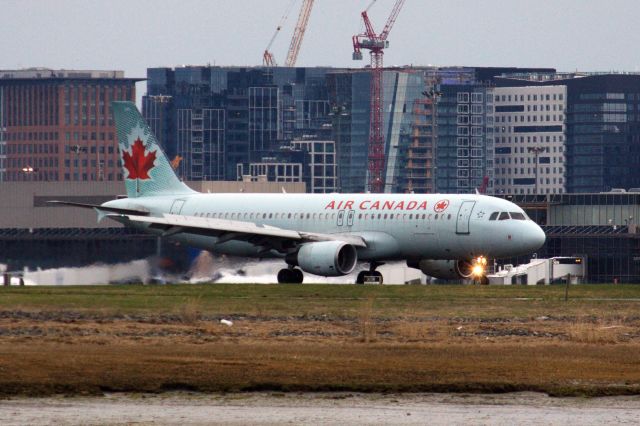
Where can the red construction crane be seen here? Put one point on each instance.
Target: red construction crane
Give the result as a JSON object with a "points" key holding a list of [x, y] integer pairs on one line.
{"points": [[298, 34], [375, 43]]}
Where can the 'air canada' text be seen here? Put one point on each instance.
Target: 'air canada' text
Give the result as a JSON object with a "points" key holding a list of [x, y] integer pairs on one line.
{"points": [[376, 205]]}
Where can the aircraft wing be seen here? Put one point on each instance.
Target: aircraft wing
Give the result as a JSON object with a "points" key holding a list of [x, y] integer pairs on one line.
{"points": [[227, 230]]}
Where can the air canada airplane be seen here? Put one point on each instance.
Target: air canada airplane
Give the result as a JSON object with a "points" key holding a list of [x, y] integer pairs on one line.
{"points": [[447, 236]]}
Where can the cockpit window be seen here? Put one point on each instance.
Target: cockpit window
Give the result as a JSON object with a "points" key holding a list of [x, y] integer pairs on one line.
{"points": [[517, 216], [503, 216], [494, 215]]}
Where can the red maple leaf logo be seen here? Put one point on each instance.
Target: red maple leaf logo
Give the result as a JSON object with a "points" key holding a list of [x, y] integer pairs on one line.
{"points": [[441, 206], [137, 163]]}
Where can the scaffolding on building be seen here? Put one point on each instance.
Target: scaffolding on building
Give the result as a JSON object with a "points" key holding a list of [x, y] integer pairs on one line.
{"points": [[418, 174]]}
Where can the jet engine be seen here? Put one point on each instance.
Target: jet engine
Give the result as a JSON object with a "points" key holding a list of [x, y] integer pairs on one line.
{"points": [[444, 269], [326, 258]]}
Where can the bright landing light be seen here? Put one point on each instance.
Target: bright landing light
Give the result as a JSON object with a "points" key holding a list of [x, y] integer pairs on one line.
{"points": [[479, 265]]}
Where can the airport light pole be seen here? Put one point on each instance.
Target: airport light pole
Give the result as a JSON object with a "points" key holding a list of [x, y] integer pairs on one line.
{"points": [[537, 150]]}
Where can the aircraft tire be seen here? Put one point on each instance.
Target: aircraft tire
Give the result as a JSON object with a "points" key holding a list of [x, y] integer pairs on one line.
{"points": [[360, 278], [290, 276], [285, 276]]}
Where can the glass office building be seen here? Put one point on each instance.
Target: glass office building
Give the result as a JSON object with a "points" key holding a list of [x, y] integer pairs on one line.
{"points": [[602, 148]]}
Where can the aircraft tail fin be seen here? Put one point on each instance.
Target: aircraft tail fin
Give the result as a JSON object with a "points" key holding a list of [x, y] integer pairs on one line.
{"points": [[146, 169]]}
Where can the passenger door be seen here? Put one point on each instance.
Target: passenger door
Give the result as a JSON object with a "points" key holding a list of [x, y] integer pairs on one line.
{"points": [[464, 216]]}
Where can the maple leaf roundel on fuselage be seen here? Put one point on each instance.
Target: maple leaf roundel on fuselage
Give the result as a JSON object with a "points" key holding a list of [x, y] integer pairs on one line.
{"points": [[137, 163]]}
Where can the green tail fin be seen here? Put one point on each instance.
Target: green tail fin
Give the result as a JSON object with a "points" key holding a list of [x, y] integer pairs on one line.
{"points": [[146, 169]]}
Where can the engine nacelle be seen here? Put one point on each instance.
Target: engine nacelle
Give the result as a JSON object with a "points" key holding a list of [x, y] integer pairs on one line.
{"points": [[327, 258], [444, 269]]}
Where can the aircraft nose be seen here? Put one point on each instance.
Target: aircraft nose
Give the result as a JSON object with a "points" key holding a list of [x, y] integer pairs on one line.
{"points": [[535, 237]]}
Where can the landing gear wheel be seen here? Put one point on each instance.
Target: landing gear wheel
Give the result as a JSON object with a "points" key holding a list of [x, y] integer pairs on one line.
{"points": [[284, 276], [377, 275], [369, 277], [290, 276]]}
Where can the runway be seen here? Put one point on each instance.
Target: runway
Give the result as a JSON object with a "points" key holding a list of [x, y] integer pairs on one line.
{"points": [[321, 408]]}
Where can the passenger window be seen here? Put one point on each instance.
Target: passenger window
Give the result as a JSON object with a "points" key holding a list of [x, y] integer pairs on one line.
{"points": [[436, 217], [264, 215], [411, 216], [385, 216], [289, 216], [504, 216], [449, 217], [494, 215], [360, 216], [517, 216]]}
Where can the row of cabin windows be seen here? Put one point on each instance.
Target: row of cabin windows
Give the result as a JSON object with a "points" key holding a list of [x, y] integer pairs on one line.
{"points": [[321, 216], [507, 215]]}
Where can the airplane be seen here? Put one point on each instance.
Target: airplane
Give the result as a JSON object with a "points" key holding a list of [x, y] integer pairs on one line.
{"points": [[446, 236]]}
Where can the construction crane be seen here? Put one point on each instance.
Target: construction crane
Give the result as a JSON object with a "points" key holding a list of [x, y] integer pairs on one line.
{"points": [[298, 35], [375, 43]]}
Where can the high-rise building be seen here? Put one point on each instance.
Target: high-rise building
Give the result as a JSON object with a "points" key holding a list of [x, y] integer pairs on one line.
{"points": [[57, 125], [217, 118], [602, 146], [465, 139], [529, 139]]}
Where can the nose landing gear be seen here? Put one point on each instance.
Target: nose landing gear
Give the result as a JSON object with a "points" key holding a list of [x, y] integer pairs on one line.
{"points": [[290, 276]]}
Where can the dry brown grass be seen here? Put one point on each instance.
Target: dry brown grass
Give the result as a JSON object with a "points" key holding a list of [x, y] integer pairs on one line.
{"points": [[377, 340], [598, 331], [367, 321], [46, 368]]}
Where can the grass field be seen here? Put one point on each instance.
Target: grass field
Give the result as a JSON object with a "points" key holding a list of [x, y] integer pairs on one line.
{"points": [[320, 337]]}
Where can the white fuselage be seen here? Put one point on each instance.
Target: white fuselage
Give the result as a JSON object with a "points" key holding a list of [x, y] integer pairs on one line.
{"points": [[394, 226]]}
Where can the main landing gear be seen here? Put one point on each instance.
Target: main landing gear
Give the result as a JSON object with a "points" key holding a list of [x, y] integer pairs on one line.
{"points": [[290, 276], [371, 276]]}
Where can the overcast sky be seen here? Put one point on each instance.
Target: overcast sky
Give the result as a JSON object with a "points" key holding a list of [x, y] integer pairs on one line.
{"points": [[132, 35]]}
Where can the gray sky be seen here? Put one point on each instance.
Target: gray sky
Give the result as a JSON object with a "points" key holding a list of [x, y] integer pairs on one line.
{"points": [[132, 35]]}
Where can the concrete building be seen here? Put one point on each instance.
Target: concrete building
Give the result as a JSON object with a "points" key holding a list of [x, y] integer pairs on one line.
{"points": [[56, 125], [602, 146], [529, 139]]}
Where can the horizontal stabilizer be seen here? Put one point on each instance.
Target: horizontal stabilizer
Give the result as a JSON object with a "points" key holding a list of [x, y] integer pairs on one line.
{"points": [[103, 208]]}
